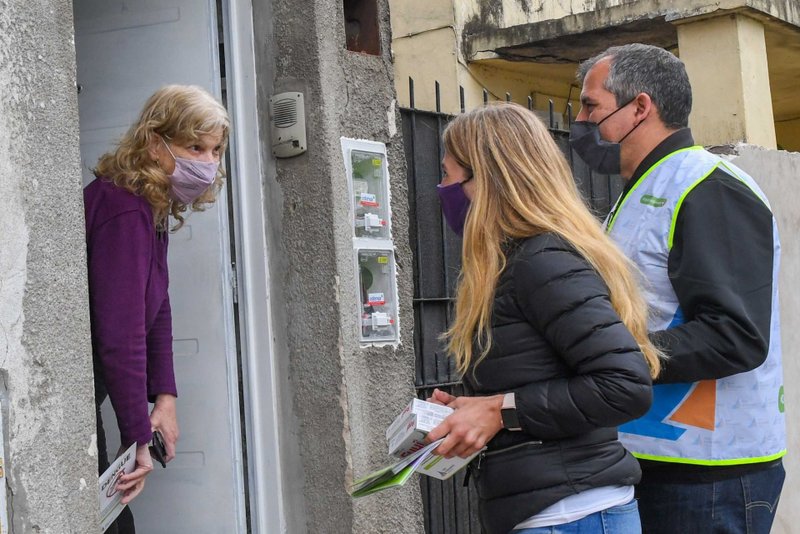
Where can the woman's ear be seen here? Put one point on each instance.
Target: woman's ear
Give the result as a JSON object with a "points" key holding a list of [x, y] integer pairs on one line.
{"points": [[154, 147]]}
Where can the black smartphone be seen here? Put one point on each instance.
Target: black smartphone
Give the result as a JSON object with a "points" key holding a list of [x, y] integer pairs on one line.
{"points": [[157, 449]]}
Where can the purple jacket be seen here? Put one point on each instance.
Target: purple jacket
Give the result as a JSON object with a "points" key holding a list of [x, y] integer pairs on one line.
{"points": [[129, 304]]}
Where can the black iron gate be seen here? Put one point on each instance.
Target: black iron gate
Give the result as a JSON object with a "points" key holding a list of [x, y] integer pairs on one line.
{"points": [[450, 507]]}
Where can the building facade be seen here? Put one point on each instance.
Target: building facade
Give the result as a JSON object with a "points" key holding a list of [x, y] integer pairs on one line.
{"points": [[282, 398], [741, 55]]}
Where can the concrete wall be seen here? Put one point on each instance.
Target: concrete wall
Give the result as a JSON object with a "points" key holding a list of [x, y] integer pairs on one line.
{"points": [[776, 172], [339, 397], [45, 353]]}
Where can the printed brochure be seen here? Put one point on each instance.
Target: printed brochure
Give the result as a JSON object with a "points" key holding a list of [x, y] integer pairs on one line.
{"points": [[422, 461], [110, 505]]}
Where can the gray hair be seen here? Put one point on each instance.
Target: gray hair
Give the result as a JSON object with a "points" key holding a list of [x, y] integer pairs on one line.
{"points": [[640, 68]]}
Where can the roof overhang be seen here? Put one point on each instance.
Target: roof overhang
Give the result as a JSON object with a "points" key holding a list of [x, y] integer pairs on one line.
{"points": [[572, 39]]}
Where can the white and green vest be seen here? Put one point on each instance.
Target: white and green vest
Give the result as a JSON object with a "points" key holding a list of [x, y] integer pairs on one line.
{"points": [[733, 420]]}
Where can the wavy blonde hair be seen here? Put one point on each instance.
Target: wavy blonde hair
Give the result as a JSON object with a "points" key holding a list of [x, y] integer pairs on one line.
{"points": [[524, 187], [177, 113]]}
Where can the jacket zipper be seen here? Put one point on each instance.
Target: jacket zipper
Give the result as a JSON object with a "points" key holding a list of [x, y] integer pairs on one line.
{"points": [[486, 454], [510, 448]]}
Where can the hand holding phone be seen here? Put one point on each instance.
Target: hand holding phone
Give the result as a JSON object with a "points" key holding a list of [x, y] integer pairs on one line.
{"points": [[158, 450]]}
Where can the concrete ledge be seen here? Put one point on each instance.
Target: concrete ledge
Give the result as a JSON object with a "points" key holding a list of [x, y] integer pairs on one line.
{"points": [[647, 21]]}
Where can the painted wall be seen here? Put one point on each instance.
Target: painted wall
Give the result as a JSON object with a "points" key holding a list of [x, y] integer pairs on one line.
{"points": [[776, 172], [788, 133], [45, 354], [338, 398]]}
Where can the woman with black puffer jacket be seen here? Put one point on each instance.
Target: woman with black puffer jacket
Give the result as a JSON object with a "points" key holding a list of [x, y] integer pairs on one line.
{"points": [[549, 334]]}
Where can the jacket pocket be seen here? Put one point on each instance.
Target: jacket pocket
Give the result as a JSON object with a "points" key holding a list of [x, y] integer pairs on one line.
{"points": [[519, 468]]}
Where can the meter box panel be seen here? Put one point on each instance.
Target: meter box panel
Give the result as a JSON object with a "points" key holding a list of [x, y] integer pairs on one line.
{"points": [[367, 174], [369, 187], [370, 197], [377, 295]]}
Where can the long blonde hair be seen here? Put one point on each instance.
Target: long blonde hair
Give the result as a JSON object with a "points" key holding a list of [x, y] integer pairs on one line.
{"points": [[177, 113], [524, 187]]}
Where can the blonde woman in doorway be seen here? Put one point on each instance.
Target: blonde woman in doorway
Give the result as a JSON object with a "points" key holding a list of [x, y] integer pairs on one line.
{"points": [[167, 163], [549, 334]]}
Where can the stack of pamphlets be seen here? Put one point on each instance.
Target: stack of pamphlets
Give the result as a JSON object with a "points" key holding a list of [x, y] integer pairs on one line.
{"points": [[393, 475], [406, 439], [407, 432]]}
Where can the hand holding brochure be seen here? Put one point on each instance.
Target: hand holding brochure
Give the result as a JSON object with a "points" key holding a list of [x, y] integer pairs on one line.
{"points": [[406, 440], [110, 505]]}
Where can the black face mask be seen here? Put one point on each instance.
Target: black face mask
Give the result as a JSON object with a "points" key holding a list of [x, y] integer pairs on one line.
{"points": [[600, 155]]}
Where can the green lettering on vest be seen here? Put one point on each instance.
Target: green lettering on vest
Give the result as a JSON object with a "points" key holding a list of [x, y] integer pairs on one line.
{"points": [[650, 200]]}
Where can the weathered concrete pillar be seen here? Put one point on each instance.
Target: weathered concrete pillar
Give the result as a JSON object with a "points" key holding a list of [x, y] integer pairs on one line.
{"points": [[45, 350], [341, 396], [726, 58]]}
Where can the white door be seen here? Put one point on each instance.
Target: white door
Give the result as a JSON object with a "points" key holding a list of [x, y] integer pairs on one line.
{"points": [[125, 51]]}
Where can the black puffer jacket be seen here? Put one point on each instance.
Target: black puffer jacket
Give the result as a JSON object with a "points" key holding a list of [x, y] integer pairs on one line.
{"points": [[577, 373]]}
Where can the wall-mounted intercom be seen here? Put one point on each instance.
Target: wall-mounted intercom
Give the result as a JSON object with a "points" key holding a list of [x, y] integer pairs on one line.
{"points": [[287, 118]]}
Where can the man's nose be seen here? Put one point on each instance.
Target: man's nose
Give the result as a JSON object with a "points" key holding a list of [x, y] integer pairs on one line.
{"points": [[582, 115]]}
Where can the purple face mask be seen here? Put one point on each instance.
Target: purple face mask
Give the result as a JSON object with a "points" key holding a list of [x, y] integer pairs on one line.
{"points": [[191, 178], [455, 205]]}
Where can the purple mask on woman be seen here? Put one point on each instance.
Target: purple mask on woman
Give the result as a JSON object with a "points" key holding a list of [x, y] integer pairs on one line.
{"points": [[455, 205], [191, 178]]}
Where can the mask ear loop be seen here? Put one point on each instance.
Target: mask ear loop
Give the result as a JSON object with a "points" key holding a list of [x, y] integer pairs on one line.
{"points": [[619, 108], [170, 151], [630, 132]]}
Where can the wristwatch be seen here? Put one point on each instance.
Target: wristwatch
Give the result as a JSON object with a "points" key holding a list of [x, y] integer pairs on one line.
{"points": [[509, 413]]}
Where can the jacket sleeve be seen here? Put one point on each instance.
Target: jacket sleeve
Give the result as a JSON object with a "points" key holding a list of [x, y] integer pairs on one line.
{"points": [[720, 267], [119, 263], [564, 298], [160, 371]]}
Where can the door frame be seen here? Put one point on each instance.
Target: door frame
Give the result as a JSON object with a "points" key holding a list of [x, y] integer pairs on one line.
{"points": [[259, 370]]}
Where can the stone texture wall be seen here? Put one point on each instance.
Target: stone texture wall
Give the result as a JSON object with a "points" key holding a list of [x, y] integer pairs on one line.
{"points": [[338, 397], [45, 353]]}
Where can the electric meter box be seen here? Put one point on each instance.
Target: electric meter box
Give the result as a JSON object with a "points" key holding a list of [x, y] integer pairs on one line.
{"points": [[373, 250], [377, 295], [369, 188]]}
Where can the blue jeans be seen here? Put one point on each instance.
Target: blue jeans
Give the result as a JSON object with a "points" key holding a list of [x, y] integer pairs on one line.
{"points": [[622, 519], [740, 505]]}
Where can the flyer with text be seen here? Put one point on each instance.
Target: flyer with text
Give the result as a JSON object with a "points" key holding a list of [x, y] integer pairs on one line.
{"points": [[110, 505]]}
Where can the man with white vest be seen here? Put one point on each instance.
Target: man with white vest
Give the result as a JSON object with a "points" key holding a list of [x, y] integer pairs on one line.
{"points": [[703, 236]]}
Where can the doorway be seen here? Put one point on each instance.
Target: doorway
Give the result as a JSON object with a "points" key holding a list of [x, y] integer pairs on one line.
{"points": [[125, 51]]}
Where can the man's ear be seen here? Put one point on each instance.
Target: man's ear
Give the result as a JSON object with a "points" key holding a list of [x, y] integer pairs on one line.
{"points": [[644, 106]]}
